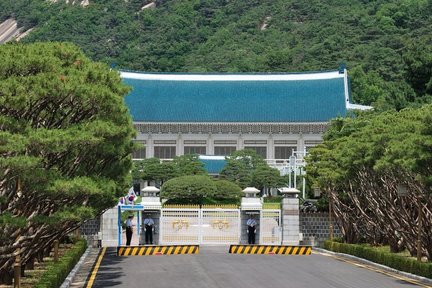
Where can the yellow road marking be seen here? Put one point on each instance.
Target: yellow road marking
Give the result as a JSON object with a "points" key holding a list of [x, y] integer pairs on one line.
{"points": [[247, 250], [302, 249], [148, 250], [120, 253], [163, 249], [141, 251], [254, 248], [294, 252], [177, 249], [376, 270], [96, 268], [288, 250], [184, 250], [281, 249], [134, 251], [170, 250]]}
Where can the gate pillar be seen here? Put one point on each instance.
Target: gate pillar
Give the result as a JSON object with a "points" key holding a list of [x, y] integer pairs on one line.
{"points": [[290, 217]]}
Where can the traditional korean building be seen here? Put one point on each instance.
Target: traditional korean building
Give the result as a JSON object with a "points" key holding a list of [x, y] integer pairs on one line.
{"points": [[277, 115]]}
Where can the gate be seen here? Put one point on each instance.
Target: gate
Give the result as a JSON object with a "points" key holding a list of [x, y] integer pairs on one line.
{"points": [[210, 225], [180, 226], [270, 228], [220, 226]]}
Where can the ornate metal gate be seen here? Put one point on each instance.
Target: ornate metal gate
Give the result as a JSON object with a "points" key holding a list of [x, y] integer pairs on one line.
{"points": [[191, 225], [220, 226], [179, 226], [270, 228]]}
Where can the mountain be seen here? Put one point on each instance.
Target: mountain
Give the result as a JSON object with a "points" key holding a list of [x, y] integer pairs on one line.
{"points": [[386, 44]]}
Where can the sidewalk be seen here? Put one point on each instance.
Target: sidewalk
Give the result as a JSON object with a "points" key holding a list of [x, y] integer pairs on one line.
{"points": [[80, 279]]}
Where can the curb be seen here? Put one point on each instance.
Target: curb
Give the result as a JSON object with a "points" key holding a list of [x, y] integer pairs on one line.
{"points": [[380, 266], [67, 282]]}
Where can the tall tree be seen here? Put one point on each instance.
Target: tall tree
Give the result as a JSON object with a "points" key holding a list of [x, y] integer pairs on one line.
{"points": [[65, 137], [240, 167]]}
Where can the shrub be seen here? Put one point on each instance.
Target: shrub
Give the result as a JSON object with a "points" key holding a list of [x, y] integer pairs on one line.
{"points": [[385, 258], [227, 190], [189, 189], [57, 272]]}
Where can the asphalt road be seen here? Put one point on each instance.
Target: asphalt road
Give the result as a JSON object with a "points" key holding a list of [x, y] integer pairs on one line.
{"points": [[214, 267]]}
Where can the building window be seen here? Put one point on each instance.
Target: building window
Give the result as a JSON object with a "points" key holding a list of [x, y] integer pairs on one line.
{"points": [[195, 142], [165, 152], [260, 150], [251, 142], [225, 142], [139, 153], [284, 152], [199, 150], [224, 150]]}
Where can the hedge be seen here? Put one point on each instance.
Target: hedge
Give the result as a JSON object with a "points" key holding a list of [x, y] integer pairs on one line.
{"points": [[385, 258], [57, 272]]}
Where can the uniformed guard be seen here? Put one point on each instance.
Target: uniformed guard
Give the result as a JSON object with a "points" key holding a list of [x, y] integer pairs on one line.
{"points": [[129, 230], [148, 228], [251, 229]]}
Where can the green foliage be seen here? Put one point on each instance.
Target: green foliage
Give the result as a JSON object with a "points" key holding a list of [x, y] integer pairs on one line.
{"points": [[266, 176], [389, 259], [227, 190], [65, 141], [385, 43], [57, 272], [189, 189], [153, 169], [188, 165], [240, 167]]}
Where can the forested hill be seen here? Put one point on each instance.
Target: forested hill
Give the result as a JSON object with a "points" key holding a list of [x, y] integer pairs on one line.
{"points": [[386, 44]]}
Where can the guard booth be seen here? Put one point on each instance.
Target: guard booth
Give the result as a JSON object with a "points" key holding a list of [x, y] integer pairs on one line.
{"points": [[136, 210], [250, 205], [152, 208]]}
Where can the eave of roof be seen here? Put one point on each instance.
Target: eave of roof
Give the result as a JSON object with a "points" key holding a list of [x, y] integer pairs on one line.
{"points": [[259, 98]]}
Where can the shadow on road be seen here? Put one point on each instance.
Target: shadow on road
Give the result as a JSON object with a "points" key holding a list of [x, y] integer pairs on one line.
{"points": [[110, 270]]}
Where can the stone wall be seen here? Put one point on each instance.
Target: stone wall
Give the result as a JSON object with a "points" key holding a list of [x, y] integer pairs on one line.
{"points": [[315, 228], [91, 227]]}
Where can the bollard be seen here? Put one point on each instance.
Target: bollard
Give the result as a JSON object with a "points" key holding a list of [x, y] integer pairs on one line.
{"points": [[56, 252]]}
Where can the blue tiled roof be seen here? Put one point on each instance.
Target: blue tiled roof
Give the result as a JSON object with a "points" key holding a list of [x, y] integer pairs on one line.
{"points": [[236, 101], [213, 166]]}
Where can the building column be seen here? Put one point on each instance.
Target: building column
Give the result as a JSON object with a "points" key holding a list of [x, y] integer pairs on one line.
{"points": [[270, 147], [149, 147], [179, 146], [210, 145], [290, 221]]}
